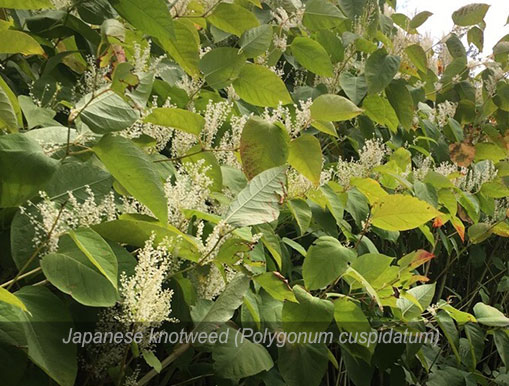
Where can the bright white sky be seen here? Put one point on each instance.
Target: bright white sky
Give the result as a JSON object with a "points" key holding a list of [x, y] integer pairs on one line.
{"points": [[441, 23]]}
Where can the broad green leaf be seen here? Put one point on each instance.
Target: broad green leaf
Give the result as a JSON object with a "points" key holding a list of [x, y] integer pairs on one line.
{"points": [[17, 42], [301, 212], [326, 260], [221, 66], [379, 110], [24, 169], [275, 285], [180, 119], [26, 4], [152, 16], [259, 86], [255, 41], [185, 47], [373, 267], [475, 336], [310, 314], [45, 327], [349, 316], [370, 188], [225, 305], [263, 145], [135, 229], [240, 358], [232, 18], [501, 339], [75, 276], [13, 101], [401, 100], [35, 115], [477, 233], [105, 113], [133, 169], [330, 107], [420, 19], [475, 36], [470, 14], [97, 251], [305, 156], [418, 57], [353, 274], [9, 298], [311, 55], [450, 331], [8, 117], [398, 212], [296, 360], [355, 87], [259, 201], [322, 14], [490, 316], [352, 8], [380, 70], [423, 294]]}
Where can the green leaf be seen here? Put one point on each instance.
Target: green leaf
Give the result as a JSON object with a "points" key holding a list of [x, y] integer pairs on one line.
{"points": [[152, 16], [420, 19], [322, 14], [13, 102], [305, 156], [490, 316], [225, 305], [133, 169], [17, 42], [221, 66], [379, 110], [263, 145], [185, 47], [240, 359], [26, 4], [402, 102], [97, 251], [301, 212], [370, 188], [330, 107], [105, 113], [180, 119], [423, 294], [450, 331], [349, 316], [470, 14], [35, 115], [48, 324], [8, 117], [296, 360], [418, 57], [9, 298], [135, 229], [256, 41], [209, 161], [74, 275], [24, 169], [355, 87], [152, 360], [310, 314], [259, 86], [326, 260], [232, 18], [380, 70], [479, 232], [352, 273], [398, 212], [275, 285], [258, 202], [312, 56]]}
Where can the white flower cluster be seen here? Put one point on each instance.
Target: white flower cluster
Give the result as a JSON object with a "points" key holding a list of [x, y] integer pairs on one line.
{"points": [[444, 111], [285, 21], [61, 4], [143, 60], [279, 42], [477, 175], [190, 190], [51, 220], [298, 185], [179, 7], [293, 124], [94, 78], [144, 301], [371, 155], [231, 141]]}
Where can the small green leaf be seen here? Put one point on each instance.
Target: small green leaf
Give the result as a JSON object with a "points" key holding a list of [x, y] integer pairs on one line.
{"points": [[180, 119], [259, 86], [275, 285], [152, 360], [221, 66], [26, 4], [306, 157], [98, 252], [134, 171], [398, 212], [9, 298], [418, 57], [380, 70], [420, 19], [311, 55], [470, 14], [490, 316], [232, 18], [256, 41], [330, 107], [17, 42]]}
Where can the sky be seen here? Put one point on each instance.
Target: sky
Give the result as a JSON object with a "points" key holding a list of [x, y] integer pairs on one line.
{"points": [[441, 23]]}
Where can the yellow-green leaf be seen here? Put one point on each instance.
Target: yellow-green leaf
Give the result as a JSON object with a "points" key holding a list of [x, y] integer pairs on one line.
{"points": [[17, 42]]}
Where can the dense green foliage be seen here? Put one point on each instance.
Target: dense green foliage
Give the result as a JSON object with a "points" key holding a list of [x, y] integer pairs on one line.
{"points": [[283, 166]]}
